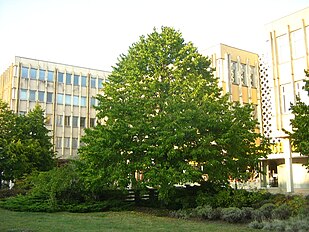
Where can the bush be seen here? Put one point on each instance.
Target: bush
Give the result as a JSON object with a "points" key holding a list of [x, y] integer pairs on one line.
{"points": [[247, 213], [232, 214], [204, 211], [282, 212], [5, 193], [276, 225], [183, 213], [267, 210], [256, 225]]}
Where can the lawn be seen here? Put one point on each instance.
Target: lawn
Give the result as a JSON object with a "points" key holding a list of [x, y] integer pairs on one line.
{"points": [[105, 221]]}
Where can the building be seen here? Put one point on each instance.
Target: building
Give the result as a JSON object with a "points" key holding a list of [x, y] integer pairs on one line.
{"points": [[281, 82], [66, 93]]}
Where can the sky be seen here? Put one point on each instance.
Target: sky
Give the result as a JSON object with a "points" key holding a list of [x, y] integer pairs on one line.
{"points": [[93, 33]]}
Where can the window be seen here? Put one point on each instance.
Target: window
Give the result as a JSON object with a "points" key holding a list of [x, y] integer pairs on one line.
{"points": [[298, 44], [58, 142], [67, 120], [23, 94], [49, 97], [244, 74], [68, 80], [68, 99], [50, 76], [287, 98], [59, 120], [234, 77], [76, 80], [92, 122], [100, 83], [93, 101], [41, 95], [93, 82], [22, 113], [24, 72], [48, 119], [74, 143], [83, 101], [283, 49], [32, 73], [75, 121], [253, 76], [75, 100], [60, 77], [67, 142], [84, 81], [32, 95], [82, 122], [42, 75], [60, 98]]}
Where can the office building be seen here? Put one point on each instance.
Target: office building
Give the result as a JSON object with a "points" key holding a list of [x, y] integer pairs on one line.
{"points": [[66, 93]]}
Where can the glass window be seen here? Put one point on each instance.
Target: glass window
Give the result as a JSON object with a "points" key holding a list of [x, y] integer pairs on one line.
{"points": [[100, 83], [32, 95], [93, 101], [76, 80], [24, 72], [83, 101], [93, 81], [49, 97], [67, 120], [234, 76], [41, 95], [244, 74], [74, 143], [253, 76], [283, 49], [84, 81], [42, 75], [75, 100], [68, 80], [60, 77], [22, 113], [59, 120], [50, 76], [58, 142], [48, 119], [92, 122], [67, 142], [33, 73], [82, 122], [298, 44], [68, 99], [75, 121], [23, 94], [60, 98]]}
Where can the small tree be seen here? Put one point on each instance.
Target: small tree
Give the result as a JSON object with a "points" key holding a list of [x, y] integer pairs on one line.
{"points": [[300, 124], [164, 121]]}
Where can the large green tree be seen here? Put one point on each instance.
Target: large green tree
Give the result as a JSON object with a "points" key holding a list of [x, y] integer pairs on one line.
{"points": [[164, 121], [24, 143], [300, 124]]}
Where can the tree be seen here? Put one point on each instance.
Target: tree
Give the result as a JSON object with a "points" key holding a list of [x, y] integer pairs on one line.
{"points": [[164, 121], [24, 142], [300, 124]]}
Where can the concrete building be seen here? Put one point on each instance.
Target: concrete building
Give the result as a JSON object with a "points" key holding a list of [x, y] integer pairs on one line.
{"points": [[282, 75], [65, 92]]}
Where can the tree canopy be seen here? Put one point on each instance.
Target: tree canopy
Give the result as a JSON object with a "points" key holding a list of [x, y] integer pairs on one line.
{"points": [[24, 143], [300, 124], [164, 121]]}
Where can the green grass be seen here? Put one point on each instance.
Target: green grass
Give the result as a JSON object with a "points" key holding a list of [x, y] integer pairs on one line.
{"points": [[105, 221]]}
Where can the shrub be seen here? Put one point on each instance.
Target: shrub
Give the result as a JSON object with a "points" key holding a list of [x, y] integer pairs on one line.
{"points": [[296, 203], [256, 225], [183, 213], [267, 209], [276, 225], [5, 193], [282, 212], [232, 214], [247, 213], [204, 212]]}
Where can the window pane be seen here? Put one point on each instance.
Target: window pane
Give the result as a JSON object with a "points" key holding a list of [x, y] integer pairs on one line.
{"points": [[100, 83], [75, 100], [76, 80], [67, 120], [82, 101], [59, 120], [68, 99], [24, 72], [60, 77], [82, 122], [50, 76], [23, 94], [32, 95], [75, 121], [244, 74], [48, 119], [49, 97], [60, 98], [92, 122], [68, 80], [253, 77], [42, 75], [74, 143], [67, 142], [84, 81], [93, 82], [58, 142], [33, 73], [41, 95], [234, 77]]}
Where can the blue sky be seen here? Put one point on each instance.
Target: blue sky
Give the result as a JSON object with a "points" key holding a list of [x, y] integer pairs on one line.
{"points": [[93, 33]]}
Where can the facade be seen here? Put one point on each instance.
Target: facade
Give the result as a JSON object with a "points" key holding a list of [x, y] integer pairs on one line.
{"points": [[281, 82], [66, 93]]}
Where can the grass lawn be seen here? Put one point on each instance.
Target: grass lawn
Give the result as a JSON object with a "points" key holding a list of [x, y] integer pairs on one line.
{"points": [[105, 221]]}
